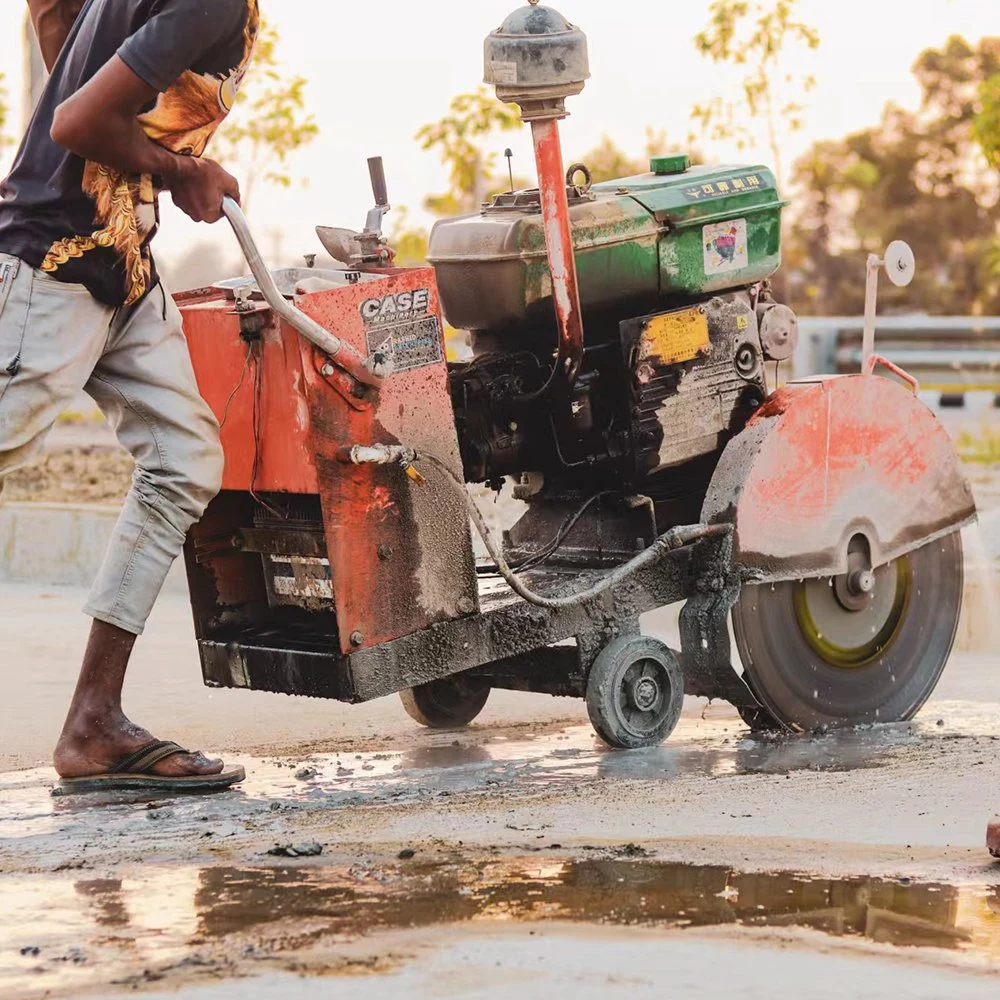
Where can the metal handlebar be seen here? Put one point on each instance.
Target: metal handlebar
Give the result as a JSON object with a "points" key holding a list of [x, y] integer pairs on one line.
{"points": [[340, 353]]}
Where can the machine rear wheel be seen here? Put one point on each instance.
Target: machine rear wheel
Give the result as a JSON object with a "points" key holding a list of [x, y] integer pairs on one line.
{"points": [[449, 703], [635, 693], [838, 652]]}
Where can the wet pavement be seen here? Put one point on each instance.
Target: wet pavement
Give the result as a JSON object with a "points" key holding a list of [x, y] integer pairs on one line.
{"points": [[516, 830], [520, 851], [206, 922]]}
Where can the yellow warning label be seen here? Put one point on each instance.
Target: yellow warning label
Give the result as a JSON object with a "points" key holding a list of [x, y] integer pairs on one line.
{"points": [[675, 337]]}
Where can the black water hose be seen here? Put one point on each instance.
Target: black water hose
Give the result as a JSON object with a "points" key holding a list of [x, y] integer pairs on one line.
{"points": [[674, 539]]}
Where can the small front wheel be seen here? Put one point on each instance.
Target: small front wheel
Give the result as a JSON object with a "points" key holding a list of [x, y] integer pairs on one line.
{"points": [[449, 703], [635, 693]]}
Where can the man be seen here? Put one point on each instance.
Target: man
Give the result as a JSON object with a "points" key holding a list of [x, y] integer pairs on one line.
{"points": [[137, 89]]}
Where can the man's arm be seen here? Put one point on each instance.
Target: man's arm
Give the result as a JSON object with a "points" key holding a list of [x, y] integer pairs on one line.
{"points": [[100, 123], [52, 20]]}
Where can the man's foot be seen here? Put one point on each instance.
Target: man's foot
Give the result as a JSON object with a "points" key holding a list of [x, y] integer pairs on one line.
{"points": [[993, 837], [93, 744]]}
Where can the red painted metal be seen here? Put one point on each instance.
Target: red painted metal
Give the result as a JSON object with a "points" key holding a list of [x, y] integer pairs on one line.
{"points": [[875, 360], [823, 461], [559, 243], [226, 368], [400, 553]]}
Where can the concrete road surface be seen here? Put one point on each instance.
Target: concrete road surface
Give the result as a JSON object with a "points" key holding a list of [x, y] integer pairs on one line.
{"points": [[518, 855]]}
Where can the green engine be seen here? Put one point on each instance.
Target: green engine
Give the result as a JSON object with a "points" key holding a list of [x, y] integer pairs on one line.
{"points": [[646, 242], [679, 327]]}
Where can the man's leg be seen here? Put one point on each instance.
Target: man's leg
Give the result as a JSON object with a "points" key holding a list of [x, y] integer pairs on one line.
{"points": [[145, 385], [51, 336], [993, 837]]}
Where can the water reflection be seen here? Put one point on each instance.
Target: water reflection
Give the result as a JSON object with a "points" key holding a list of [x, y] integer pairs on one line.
{"points": [[99, 931], [598, 891]]}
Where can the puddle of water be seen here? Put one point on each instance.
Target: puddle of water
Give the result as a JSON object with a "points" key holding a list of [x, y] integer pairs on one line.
{"points": [[90, 931]]}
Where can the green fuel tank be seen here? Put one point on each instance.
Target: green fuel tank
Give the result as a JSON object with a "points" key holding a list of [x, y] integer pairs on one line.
{"points": [[652, 241]]}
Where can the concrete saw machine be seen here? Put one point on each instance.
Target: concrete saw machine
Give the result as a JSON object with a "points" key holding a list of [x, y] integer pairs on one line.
{"points": [[623, 383]]}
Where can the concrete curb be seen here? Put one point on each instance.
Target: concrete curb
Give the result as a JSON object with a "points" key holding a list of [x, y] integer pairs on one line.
{"points": [[60, 544]]}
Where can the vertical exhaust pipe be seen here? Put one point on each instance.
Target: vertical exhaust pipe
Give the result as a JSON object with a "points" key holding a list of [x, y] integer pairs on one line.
{"points": [[536, 59]]}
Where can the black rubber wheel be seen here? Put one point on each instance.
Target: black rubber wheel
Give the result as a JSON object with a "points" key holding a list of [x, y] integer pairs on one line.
{"points": [[450, 703], [635, 693], [819, 654]]}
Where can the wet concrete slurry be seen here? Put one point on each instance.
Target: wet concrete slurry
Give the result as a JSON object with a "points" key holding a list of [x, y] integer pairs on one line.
{"points": [[553, 758], [126, 891]]}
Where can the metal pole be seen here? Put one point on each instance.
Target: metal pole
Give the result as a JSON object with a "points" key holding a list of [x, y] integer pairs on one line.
{"points": [[559, 244], [871, 305]]}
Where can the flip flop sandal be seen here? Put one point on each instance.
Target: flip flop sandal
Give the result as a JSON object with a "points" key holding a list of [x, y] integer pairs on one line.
{"points": [[134, 772]]}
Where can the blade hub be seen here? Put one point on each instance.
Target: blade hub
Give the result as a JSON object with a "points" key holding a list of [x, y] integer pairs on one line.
{"points": [[855, 590], [848, 620]]}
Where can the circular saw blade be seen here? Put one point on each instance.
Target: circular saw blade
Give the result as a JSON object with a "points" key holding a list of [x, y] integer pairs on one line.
{"points": [[815, 664]]}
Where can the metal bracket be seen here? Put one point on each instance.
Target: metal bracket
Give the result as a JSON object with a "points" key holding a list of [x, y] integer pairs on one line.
{"points": [[341, 382], [706, 652]]}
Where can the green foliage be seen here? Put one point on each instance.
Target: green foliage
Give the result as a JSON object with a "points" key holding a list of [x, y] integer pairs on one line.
{"points": [[458, 137], [987, 121], [269, 121], [754, 35], [607, 161], [410, 244], [918, 176], [982, 448]]}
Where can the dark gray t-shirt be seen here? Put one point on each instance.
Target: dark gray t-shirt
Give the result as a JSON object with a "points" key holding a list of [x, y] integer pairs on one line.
{"points": [[86, 223]]}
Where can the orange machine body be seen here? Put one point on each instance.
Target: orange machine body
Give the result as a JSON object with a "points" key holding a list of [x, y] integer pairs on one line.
{"points": [[399, 552]]}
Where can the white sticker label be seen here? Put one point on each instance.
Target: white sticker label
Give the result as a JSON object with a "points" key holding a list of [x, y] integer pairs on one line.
{"points": [[501, 72], [725, 247]]}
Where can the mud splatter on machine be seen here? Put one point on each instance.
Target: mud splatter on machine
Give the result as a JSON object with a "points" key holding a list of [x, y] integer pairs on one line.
{"points": [[622, 336]]}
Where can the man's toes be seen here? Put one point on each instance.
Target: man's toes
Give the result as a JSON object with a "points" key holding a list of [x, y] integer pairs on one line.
{"points": [[183, 765]]}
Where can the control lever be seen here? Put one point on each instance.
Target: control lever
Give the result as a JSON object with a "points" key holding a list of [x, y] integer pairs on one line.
{"points": [[367, 247], [371, 371], [376, 170]]}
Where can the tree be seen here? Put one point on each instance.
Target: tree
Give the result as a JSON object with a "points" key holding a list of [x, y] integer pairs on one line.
{"points": [[459, 137], [754, 36], [919, 176], [269, 121], [607, 161], [988, 120], [409, 243]]}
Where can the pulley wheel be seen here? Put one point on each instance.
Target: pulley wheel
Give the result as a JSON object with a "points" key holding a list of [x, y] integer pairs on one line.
{"points": [[635, 693], [449, 703], [862, 648]]}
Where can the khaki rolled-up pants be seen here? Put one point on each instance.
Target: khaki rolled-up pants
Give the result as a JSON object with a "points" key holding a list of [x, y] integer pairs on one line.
{"points": [[55, 340]]}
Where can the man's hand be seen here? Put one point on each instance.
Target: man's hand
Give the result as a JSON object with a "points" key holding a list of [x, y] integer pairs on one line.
{"points": [[198, 187]]}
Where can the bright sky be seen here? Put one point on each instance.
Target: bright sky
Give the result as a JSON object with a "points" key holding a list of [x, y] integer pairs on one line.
{"points": [[378, 71]]}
